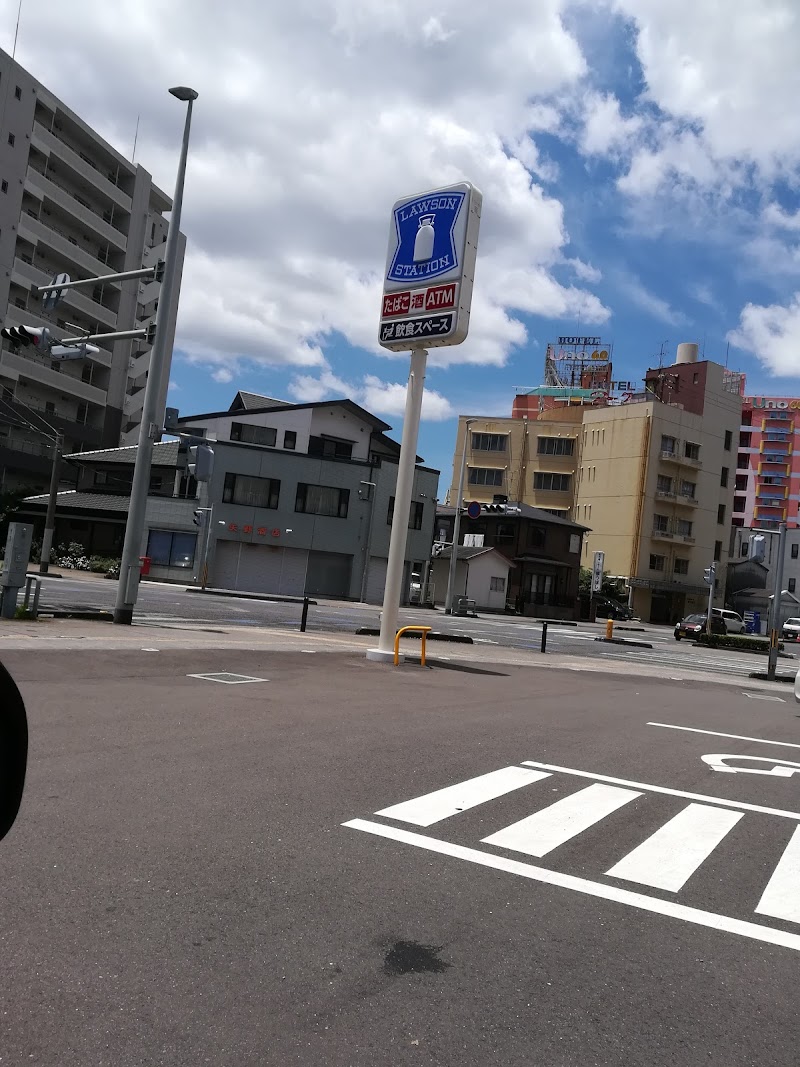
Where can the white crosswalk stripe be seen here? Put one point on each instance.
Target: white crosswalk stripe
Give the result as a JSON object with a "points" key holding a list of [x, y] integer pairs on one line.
{"points": [[781, 898]]}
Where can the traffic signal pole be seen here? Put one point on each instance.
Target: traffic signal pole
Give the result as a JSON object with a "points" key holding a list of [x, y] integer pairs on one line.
{"points": [[50, 520], [129, 571]]}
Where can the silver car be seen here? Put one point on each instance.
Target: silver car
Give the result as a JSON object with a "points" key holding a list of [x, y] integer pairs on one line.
{"points": [[791, 630], [734, 623]]}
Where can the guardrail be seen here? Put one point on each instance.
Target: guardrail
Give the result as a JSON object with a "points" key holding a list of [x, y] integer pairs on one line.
{"points": [[423, 632]]}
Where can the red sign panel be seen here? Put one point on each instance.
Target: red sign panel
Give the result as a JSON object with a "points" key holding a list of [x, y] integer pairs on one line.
{"points": [[440, 296], [396, 304]]}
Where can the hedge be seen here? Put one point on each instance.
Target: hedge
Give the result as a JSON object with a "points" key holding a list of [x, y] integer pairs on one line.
{"points": [[737, 641]]}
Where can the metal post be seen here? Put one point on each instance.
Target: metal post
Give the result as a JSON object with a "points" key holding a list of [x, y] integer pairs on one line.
{"points": [[365, 571], [775, 621], [402, 507], [304, 616], [544, 637], [206, 546], [451, 575], [50, 520], [127, 589], [711, 591]]}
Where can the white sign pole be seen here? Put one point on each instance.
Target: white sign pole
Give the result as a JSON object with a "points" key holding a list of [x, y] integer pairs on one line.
{"points": [[402, 508], [597, 571]]}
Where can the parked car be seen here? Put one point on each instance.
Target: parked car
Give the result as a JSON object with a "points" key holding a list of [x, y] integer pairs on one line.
{"points": [[612, 609], [734, 623], [694, 625], [791, 630]]}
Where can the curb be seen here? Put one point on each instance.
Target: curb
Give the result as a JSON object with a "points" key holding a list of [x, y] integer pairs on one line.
{"points": [[87, 616], [638, 629], [553, 622], [249, 596], [457, 639], [623, 641], [763, 677]]}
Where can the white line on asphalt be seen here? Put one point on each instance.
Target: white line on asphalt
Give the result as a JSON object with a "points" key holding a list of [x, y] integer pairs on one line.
{"points": [[780, 899], [716, 733], [764, 696], [432, 807], [668, 858], [669, 792], [550, 827], [582, 885]]}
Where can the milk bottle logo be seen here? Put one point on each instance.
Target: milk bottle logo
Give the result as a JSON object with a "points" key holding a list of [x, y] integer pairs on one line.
{"points": [[425, 239], [425, 245]]}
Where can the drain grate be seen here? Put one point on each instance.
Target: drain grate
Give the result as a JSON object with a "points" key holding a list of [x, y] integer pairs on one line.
{"points": [[226, 678]]}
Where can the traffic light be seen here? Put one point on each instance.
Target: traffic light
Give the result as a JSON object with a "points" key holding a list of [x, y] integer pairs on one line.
{"points": [[201, 462], [22, 336], [199, 517], [709, 574], [80, 351], [171, 416], [757, 547]]}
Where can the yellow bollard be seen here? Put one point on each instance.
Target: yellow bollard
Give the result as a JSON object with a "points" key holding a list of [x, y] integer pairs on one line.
{"points": [[609, 629]]}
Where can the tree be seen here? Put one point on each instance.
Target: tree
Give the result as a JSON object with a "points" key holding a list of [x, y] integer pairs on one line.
{"points": [[611, 587]]}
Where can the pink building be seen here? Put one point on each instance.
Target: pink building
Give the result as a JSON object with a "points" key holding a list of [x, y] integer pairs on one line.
{"points": [[767, 488]]}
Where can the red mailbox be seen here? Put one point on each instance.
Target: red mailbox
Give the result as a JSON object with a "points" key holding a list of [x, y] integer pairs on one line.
{"points": [[145, 565]]}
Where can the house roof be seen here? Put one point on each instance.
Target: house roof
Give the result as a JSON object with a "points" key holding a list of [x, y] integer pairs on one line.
{"points": [[470, 553], [515, 510], [165, 454], [543, 559], [71, 498], [281, 405], [244, 401]]}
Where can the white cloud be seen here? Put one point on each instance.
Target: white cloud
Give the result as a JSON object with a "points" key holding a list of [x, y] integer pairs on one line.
{"points": [[772, 334], [222, 375], [173, 386], [372, 393], [605, 131], [774, 215], [648, 302], [313, 117], [585, 271]]}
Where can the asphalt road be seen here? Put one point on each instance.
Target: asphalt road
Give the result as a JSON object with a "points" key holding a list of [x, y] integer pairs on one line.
{"points": [[174, 605], [199, 874]]}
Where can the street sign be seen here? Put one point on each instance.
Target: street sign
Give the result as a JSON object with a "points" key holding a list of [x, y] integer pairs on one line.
{"points": [[52, 299], [597, 571], [474, 509], [430, 264]]}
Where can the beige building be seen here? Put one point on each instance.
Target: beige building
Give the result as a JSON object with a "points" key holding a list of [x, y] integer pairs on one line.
{"points": [[655, 485], [529, 461]]}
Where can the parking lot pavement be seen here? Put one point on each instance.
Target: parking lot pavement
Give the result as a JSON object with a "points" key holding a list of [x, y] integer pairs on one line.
{"points": [[270, 857]]}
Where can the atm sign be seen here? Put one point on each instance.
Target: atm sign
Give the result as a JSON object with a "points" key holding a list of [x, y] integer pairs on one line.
{"points": [[435, 298]]}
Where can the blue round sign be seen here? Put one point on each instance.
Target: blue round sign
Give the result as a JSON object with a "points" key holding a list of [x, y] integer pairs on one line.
{"points": [[474, 510]]}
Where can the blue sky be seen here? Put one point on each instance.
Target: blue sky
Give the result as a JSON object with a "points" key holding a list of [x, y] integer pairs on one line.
{"points": [[638, 161]]}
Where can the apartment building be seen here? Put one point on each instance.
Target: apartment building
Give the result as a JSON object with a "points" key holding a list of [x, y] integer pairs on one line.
{"points": [[70, 202], [767, 488], [656, 484], [531, 461]]}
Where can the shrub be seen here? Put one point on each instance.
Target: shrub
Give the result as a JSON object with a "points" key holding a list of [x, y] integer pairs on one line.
{"points": [[104, 564], [72, 557], [736, 641]]}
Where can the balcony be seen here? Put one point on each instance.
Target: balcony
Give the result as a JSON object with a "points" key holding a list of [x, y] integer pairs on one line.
{"points": [[680, 458], [686, 501], [49, 142], [34, 231], [69, 203], [665, 494], [25, 275], [662, 535]]}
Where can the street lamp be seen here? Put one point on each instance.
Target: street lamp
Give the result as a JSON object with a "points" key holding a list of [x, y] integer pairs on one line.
{"points": [[451, 577], [160, 357]]}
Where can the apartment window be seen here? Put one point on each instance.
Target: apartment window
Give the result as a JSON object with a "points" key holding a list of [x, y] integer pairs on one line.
{"points": [[414, 515], [688, 489], [555, 446], [668, 444], [683, 527], [695, 378], [660, 523], [86, 373], [536, 536], [497, 585], [723, 477], [664, 484], [17, 93], [505, 533], [485, 476], [691, 450], [794, 551], [489, 442], [171, 549], [738, 503], [81, 413], [11, 139], [49, 407], [744, 548], [681, 566], [740, 483], [721, 514], [250, 491], [4, 185], [253, 435], [792, 584], [289, 439], [742, 461], [728, 440], [718, 550], [322, 500], [330, 448], [657, 563], [551, 482]]}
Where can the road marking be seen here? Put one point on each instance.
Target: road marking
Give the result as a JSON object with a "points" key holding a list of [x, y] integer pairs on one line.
{"points": [[763, 696], [583, 885], [545, 830], [443, 803], [673, 853], [669, 792], [226, 678], [716, 733], [781, 899]]}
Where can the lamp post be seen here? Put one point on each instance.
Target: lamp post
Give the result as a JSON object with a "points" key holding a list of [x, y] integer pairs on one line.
{"points": [[128, 586], [451, 577]]}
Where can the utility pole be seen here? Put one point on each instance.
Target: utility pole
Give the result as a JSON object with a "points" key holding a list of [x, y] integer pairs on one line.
{"points": [[775, 619], [451, 575], [710, 576], [50, 520], [365, 572]]}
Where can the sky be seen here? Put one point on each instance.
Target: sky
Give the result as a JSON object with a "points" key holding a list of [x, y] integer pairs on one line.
{"points": [[639, 163]]}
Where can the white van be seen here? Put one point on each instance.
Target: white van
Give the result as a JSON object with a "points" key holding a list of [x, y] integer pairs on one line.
{"points": [[734, 623]]}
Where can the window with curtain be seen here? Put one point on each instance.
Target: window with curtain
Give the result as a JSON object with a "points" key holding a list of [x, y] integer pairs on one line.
{"points": [[322, 500], [250, 491]]}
